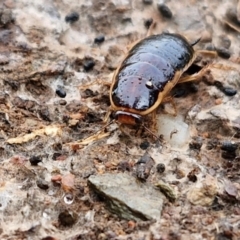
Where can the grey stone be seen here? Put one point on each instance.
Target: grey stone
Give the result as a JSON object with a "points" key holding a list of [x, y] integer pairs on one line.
{"points": [[127, 197]]}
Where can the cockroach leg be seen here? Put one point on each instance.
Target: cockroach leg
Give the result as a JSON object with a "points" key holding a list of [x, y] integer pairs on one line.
{"points": [[107, 116], [196, 76], [232, 26], [154, 121], [212, 54]]}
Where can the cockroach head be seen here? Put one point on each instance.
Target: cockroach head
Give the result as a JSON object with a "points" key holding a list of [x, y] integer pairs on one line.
{"points": [[128, 118]]}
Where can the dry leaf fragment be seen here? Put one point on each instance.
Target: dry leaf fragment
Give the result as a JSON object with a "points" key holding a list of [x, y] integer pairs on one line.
{"points": [[48, 131]]}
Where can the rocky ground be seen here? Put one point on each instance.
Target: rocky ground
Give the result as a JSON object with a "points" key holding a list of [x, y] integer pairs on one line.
{"points": [[58, 181]]}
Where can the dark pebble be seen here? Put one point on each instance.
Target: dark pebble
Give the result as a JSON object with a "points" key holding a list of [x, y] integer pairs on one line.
{"points": [[72, 17], [229, 91], [34, 160], [228, 155], [62, 102], [192, 177], [89, 93], [148, 2], [56, 155], [67, 219], [165, 11], [61, 92], [148, 22], [48, 238], [161, 168], [88, 65], [226, 90], [210, 47], [223, 53], [99, 39], [144, 145], [224, 236], [91, 117], [44, 114], [196, 143], [216, 206], [229, 146], [126, 20], [42, 184]]}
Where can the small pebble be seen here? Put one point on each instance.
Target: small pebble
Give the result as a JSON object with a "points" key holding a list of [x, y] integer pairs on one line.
{"points": [[88, 65], [44, 114], [148, 2], [165, 11], [210, 47], [144, 145], [228, 155], [161, 168], [61, 92], [99, 39], [229, 146], [229, 91], [196, 143], [223, 53], [62, 102], [34, 160], [72, 17], [89, 93], [192, 176], [42, 184], [148, 22]]}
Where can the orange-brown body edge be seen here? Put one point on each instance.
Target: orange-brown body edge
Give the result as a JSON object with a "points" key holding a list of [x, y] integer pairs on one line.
{"points": [[169, 83]]}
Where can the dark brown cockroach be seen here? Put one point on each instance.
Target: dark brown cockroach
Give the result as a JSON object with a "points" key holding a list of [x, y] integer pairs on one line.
{"points": [[152, 67]]}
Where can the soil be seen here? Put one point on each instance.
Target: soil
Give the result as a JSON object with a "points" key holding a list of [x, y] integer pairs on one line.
{"points": [[57, 59]]}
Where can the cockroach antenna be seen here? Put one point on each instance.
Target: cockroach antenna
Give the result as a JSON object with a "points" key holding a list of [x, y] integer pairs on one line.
{"points": [[148, 130], [106, 125], [196, 42]]}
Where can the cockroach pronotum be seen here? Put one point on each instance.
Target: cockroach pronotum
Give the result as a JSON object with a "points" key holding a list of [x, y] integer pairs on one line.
{"points": [[148, 73]]}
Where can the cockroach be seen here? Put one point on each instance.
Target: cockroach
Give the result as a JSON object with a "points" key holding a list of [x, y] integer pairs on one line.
{"points": [[152, 67]]}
